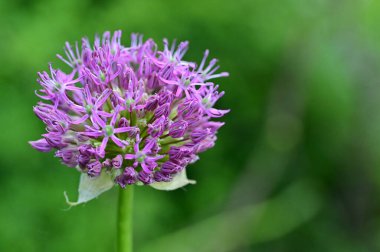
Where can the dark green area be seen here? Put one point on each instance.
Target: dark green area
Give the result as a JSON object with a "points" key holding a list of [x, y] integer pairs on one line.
{"points": [[296, 167]]}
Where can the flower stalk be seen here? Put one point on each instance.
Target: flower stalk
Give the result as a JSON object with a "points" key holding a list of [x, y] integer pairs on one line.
{"points": [[124, 220]]}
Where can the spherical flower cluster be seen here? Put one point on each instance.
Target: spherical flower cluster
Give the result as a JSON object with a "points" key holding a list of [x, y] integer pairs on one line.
{"points": [[137, 110]]}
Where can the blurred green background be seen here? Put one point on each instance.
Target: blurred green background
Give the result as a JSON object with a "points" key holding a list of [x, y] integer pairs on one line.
{"points": [[296, 167]]}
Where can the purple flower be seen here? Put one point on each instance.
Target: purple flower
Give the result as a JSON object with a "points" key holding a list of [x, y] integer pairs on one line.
{"points": [[68, 157], [162, 110], [209, 72], [152, 103], [145, 177], [91, 109], [146, 157], [189, 108], [55, 120], [172, 166], [176, 152], [128, 177], [158, 126], [83, 160], [162, 176], [142, 112], [55, 140], [94, 168], [117, 162], [207, 96], [107, 163], [56, 86], [41, 145], [200, 134], [107, 131], [178, 128]]}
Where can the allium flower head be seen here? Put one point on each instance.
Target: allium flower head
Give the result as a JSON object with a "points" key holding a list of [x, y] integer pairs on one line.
{"points": [[138, 112]]}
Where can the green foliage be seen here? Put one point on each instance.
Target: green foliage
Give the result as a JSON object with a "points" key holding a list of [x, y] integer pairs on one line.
{"points": [[302, 92]]}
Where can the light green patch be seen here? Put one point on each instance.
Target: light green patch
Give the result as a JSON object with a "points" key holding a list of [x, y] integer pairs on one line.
{"points": [[90, 188], [178, 181]]}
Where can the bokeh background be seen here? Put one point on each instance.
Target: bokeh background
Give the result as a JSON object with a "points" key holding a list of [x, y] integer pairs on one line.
{"points": [[296, 167]]}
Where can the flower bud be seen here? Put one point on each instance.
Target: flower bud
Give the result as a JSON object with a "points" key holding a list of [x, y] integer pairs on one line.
{"points": [[54, 140], [199, 135], [144, 177], [178, 129], [165, 97], [162, 110], [41, 145], [158, 126], [152, 103], [127, 178], [162, 177], [94, 168], [117, 162], [171, 166]]}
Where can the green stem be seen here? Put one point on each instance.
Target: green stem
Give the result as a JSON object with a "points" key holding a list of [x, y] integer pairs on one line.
{"points": [[124, 222]]}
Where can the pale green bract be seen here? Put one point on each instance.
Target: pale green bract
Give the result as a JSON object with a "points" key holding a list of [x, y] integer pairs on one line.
{"points": [[178, 181], [92, 187]]}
